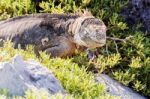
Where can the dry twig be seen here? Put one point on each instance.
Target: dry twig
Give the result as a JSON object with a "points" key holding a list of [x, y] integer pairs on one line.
{"points": [[107, 49], [117, 39]]}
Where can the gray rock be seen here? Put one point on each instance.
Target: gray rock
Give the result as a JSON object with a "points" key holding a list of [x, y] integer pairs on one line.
{"points": [[114, 88], [17, 76]]}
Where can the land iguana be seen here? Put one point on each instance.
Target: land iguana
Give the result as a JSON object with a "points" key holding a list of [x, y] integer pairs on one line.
{"points": [[59, 35]]}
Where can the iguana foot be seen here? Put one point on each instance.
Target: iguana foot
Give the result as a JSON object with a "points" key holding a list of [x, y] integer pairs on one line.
{"points": [[92, 55]]}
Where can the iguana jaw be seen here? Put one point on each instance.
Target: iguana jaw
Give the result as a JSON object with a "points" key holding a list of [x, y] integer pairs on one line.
{"points": [[91, 44]]}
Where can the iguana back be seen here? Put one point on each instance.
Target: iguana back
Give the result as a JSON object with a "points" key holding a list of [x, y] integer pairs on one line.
{"points": [[32, 28]]}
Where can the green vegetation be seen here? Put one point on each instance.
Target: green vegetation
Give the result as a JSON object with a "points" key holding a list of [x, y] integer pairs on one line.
{"points": [[131, 66], [76, 81]]}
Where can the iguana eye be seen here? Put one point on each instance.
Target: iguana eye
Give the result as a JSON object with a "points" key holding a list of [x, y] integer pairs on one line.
{"points": [[86, 30]]}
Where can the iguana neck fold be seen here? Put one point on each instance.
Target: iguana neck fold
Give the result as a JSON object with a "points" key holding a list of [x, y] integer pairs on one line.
{"points": [[77, 24]]}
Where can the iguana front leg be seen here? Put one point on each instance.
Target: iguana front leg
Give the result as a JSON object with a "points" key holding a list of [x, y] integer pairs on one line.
{"points": [[59, 47], [64, 48]]}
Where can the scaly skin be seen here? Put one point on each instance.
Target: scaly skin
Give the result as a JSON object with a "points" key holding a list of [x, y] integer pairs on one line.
{"points": [[56, 34]]}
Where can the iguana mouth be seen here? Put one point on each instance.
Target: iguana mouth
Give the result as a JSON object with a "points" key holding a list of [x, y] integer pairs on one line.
{"points": [[45, 47]]}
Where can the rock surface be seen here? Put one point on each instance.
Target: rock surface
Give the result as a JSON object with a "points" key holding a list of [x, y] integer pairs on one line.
{"points": [[116, 89], [138, 11], [17, 76]]}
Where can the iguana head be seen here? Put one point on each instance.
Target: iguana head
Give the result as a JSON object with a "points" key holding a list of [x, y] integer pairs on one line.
{"points": [[89, 32]]}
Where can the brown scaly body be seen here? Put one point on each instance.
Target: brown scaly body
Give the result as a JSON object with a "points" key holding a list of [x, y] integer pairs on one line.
{"points": [[56, 34]]}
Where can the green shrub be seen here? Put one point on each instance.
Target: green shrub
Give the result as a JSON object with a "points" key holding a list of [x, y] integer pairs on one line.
{"points": [[75, 80]]}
